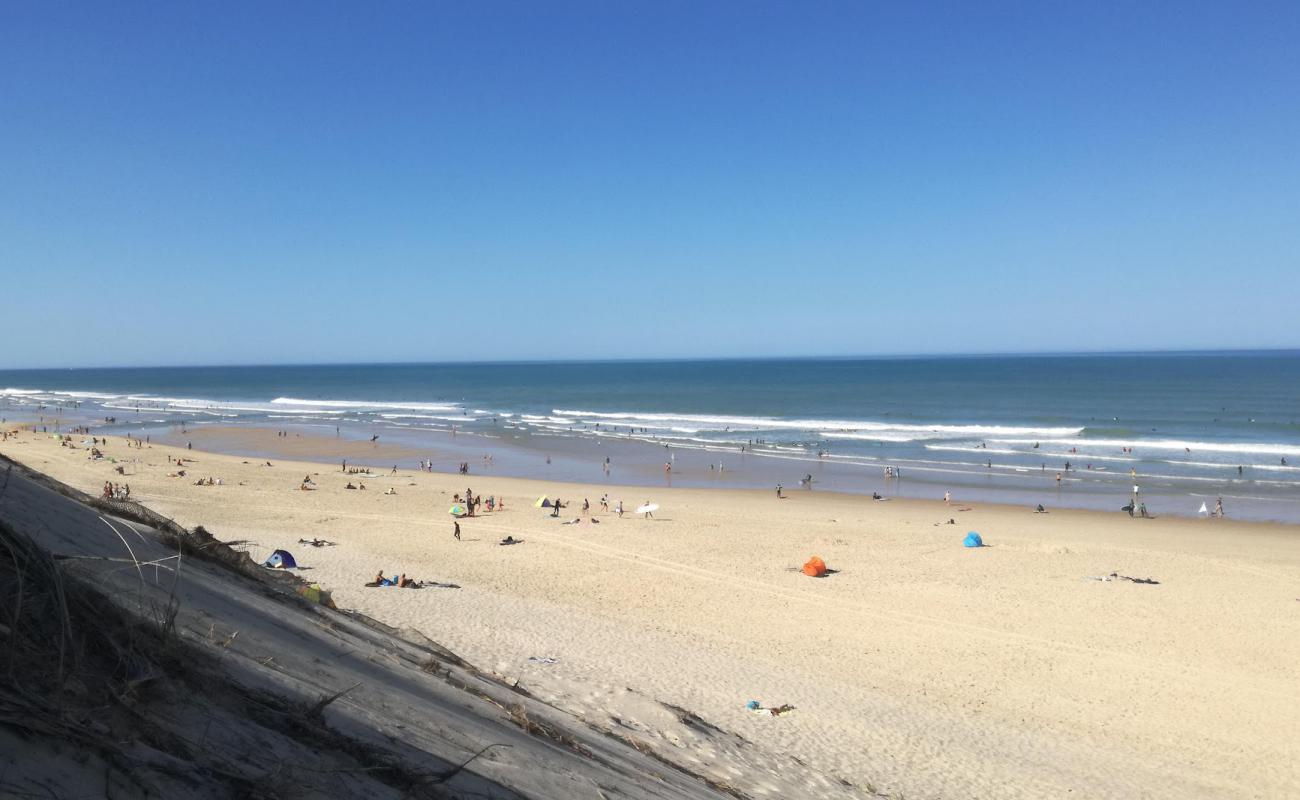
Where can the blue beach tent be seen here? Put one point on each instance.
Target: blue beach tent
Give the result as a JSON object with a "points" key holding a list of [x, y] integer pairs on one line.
{"points": [[973, 540], [281, 559]]}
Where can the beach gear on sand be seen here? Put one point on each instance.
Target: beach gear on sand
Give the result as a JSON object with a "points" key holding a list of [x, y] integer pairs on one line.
{"points": [[281, 559], [647, 508], [458, 510], [316, 594], [973, 540], [815, 567], [542, 502]]}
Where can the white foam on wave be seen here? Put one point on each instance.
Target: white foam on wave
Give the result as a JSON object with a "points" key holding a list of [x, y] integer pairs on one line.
{"points": [[443, 417], [204, 405], [864, 429], [365, 404], [877, 436], [1250, 448]]}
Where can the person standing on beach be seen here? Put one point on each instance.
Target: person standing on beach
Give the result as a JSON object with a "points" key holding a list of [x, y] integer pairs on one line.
{"points": [[947, 498], [1218, 507], [456, 530]]}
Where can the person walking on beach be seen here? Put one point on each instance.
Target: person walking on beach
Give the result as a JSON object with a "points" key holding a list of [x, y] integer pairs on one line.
{"points": [[778, 492], [947, 498], [619, 509], [649, 514], [456, 530]]}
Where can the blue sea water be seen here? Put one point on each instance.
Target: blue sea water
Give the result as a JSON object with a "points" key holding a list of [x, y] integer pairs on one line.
{"points": [[1191, 426]]}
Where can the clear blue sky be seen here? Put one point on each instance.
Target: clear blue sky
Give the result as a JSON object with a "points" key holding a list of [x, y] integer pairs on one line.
{"points": [[189, 183]]}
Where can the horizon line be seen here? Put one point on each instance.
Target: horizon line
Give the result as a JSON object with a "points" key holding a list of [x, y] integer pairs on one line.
{"points": [[696, 359]]}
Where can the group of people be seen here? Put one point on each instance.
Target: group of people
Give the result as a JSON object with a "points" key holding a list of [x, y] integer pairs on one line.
{"points": [[473, 502], [401, 581], [114, 492], [558, 504]]}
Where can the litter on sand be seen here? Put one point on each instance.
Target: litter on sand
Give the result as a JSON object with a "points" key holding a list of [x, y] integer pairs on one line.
{"points": [[775, 711], [543, 660], [1115, 576], [317, 542]]}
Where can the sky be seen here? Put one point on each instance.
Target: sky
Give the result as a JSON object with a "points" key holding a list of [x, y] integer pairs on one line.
{"points": [[230, 183]]}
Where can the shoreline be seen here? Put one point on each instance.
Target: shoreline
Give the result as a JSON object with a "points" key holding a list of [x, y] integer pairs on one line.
{"points": [[318, 451], [694, 470], [1029, 673]]}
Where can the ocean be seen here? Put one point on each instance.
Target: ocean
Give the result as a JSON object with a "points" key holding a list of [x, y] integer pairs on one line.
{"points": [[1187, 427]]}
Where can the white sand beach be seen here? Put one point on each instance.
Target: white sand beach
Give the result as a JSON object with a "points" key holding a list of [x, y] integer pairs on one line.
{"points": [[919, 667]]}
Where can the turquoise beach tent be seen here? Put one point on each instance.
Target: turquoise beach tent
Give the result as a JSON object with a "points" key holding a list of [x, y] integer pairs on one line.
{"points": [[973, 540]]}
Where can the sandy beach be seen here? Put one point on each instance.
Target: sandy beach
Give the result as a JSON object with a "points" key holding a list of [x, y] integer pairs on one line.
{"points": [[919, 667]]}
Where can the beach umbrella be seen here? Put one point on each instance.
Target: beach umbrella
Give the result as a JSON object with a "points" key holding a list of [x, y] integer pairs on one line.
{"points": [[647, 508], [457, 510], [541, 502]]}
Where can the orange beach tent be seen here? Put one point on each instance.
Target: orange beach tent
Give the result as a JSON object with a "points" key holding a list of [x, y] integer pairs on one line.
{"points": [[815, 567]]}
